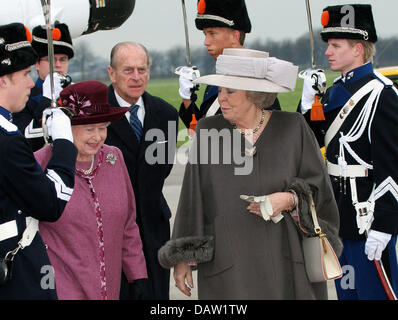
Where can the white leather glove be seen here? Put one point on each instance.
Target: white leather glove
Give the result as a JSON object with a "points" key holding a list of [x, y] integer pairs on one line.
{"points": [[58, 124], [314, 83], [376, 243], [57, 86], [187, 75], [265, 207]]}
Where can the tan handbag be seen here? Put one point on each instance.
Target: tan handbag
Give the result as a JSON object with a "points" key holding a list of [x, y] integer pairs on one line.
{"points": [[321, 262]]}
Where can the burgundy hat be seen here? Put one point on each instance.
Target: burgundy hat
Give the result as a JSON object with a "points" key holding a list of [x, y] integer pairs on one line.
{"points": [[86, 102]]}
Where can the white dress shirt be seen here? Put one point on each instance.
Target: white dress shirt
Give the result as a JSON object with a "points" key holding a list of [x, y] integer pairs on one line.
{"points": [[141, 109]]}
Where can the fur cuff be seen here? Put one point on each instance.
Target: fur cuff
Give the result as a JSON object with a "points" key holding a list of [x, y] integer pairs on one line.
{"points": [[198, 249], [303, 191]]}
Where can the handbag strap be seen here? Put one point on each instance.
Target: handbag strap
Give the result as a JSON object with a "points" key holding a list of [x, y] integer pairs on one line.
{"points": [[317, 228]]}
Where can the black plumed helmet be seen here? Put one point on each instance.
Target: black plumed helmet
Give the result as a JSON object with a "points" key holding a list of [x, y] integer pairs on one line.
{"points": [[352, 21], [223, 13], [62, 40], [16, 52]]}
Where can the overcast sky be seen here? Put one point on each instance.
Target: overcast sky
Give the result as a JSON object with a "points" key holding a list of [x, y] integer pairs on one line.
{"points": [[158, 24]]}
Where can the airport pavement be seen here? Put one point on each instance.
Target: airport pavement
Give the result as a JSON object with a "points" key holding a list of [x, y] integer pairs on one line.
{"points": [[171, 192]]}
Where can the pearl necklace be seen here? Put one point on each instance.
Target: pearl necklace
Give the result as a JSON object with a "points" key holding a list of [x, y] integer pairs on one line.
{"points": [[88, 171], [242, 132]]}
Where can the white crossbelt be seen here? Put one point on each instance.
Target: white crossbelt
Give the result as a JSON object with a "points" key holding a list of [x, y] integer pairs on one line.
{"points": [[355, 170], [213, 108], [9, 230], [348, 107]]}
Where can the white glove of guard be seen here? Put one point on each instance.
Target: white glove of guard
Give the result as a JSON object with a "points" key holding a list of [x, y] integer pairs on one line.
{"points": [[314, 83], [187, 75], [58, 124], [376, 243], [265, 207], [57, 86]]}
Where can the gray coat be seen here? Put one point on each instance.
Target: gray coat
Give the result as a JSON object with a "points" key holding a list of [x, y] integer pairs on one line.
{"points": [[240, 255]]}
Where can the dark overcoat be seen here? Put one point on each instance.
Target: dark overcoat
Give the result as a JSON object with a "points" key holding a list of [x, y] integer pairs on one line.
{"points": [[251, 258], [153, 212]]}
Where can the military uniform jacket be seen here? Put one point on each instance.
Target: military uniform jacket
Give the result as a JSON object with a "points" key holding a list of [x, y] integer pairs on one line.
{"points": [[27, 191], [210, 95], [376, 145], [28, 120]]}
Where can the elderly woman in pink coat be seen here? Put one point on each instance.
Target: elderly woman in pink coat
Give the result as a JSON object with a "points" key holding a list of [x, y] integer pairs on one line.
{"points": [[97, 235]]}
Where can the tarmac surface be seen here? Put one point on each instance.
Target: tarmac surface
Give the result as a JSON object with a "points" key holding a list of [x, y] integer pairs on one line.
{"points": [[171, 192]]}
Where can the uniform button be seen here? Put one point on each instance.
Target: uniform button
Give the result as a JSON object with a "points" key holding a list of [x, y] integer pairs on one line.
{"points": [[19, 211], [323, 131], [46, 246]]}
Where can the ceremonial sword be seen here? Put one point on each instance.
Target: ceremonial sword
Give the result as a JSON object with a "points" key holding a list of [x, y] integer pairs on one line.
{"points": [[187, 49], [307, 5], [46, 6], [381, 273], [195, 71]]}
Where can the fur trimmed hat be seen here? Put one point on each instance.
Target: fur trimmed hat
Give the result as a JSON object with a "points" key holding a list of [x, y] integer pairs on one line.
{"points": [[16, 52], [62, 40], [352, 21], [223, 13]]}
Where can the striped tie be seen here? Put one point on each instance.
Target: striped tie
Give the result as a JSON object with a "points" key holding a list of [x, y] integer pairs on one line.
{"points": [[135, 122]]}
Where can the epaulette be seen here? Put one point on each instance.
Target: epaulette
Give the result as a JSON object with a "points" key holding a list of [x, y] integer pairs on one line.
{"points": [[383, 79], [7, 127]]}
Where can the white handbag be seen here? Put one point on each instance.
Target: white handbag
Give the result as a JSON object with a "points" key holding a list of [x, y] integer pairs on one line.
{"points": [[321, 262]]}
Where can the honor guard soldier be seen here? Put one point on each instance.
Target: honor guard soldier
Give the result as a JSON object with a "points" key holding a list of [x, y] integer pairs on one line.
{"points": [[27, 193], [28, 120], [224, 24], [360, 134]]}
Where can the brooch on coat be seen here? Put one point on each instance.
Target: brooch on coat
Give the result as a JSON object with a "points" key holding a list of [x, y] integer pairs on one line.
{"points": [[111, 158]]}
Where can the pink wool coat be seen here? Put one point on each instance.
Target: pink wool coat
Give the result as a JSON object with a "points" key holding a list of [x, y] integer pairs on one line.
{"points": [[97, 234]]}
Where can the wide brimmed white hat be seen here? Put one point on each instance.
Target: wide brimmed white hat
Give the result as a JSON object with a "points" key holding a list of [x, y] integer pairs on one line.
{"points": [[252, 70]]}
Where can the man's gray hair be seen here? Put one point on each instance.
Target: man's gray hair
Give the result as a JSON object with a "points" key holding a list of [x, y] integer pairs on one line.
{"points": [[127, 44]]}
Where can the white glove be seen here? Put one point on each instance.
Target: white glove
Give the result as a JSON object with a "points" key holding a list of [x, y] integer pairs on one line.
{"points": [[187, 75], [265, 207], [364, 214], [57, 86], [314, 83], [58, 124], [376, 243]]}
